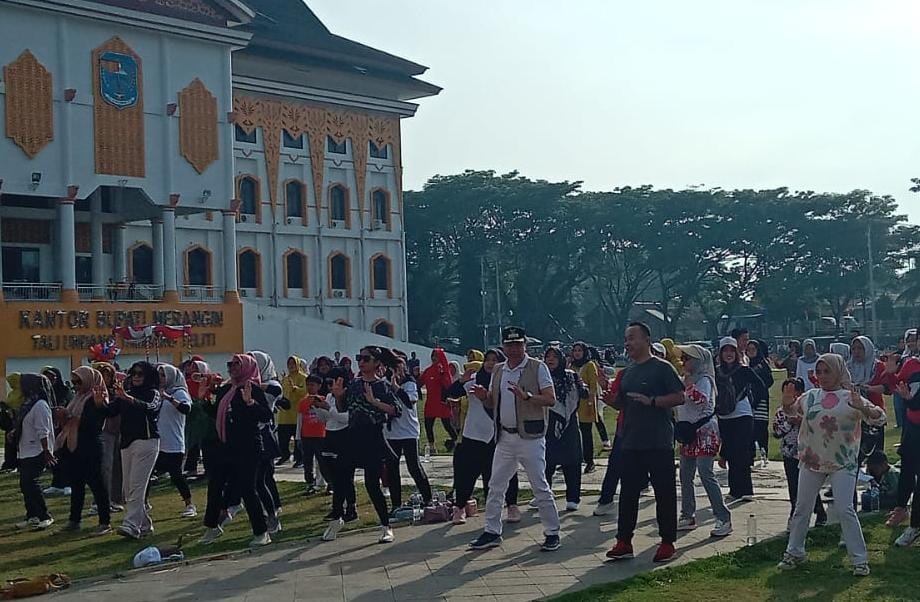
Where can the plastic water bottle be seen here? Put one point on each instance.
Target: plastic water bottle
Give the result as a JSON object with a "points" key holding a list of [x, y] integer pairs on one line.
{"points": [[751, 530], [875, 497], [763, 458], [416, 507], [427, 458]]}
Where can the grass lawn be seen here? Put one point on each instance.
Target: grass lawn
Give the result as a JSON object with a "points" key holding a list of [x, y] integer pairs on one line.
{"points": [[26, 554], [751, 574]]}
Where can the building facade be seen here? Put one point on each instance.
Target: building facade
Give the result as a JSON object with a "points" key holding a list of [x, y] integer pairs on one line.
{"points": [[200, 163]]}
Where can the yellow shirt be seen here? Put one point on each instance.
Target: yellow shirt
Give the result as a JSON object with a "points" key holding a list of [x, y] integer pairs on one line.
{"points": [[587, 408]]}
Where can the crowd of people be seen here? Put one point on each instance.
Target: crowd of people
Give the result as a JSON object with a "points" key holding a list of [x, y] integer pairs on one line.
{"points": [[503, 410]]}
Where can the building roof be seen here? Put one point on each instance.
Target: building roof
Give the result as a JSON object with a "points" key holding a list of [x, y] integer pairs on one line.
{"points": [[289, 30]]}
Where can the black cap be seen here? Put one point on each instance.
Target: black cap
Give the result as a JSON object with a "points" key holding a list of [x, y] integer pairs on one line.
{"points": [[513, 334]]}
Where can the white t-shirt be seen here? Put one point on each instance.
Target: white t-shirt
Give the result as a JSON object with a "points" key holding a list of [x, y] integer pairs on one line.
{"points": [[405, 426], [478, 424], [335, 420], [36, 426], [171, 424], [513, 375]]}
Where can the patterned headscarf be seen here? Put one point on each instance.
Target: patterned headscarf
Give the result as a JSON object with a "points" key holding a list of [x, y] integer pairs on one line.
{"points": [[838, 370], [249, 373], [90, 379]]}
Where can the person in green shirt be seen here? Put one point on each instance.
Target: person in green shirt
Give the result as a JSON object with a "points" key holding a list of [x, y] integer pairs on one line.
{"points": [[887, 478]]}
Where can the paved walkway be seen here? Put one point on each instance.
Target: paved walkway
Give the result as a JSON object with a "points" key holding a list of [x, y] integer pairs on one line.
{"points": [[430, 562]]}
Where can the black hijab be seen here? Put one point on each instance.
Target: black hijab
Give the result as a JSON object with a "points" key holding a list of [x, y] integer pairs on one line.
{"points": [[563, 381], [62, 391], [483, 378], [585, 355], [34, 387], [147, 389]]}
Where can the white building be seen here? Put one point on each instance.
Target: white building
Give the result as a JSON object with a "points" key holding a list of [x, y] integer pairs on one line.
{"points": [[163, 162]]}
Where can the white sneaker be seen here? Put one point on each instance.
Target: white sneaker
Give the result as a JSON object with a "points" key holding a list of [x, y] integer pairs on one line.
{"points": [[27, 524], [386, 492], [333, 529], [686, 524], [52, 491], [386, 535], [211, 535], [607, 445], [67, 492], [861, 570], [908, 537], [604, 509], [722, 529], [190, 511], [260, 540], [43, 524], [571, 506]]}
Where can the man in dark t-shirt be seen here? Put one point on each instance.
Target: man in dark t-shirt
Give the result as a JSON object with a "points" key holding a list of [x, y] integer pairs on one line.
{"points": [[648, 391]]}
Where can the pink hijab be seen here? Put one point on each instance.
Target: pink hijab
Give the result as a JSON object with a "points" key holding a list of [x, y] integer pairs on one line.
{"points": [[249, 372], [90, 379]]}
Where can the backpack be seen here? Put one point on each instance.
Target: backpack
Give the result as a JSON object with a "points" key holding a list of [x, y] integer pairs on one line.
{"points": [[726, 396]]}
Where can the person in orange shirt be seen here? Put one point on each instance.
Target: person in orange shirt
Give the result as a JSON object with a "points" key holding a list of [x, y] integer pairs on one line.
{"points": [[313, 432]]}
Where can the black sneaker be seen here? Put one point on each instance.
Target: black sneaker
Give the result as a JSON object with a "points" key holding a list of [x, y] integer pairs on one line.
{"points": [[351, 515], [487, 540], [551, 543]]}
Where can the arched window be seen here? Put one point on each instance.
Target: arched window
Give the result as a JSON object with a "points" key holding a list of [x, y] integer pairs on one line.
{"points": [[294, 195], [380, 275], [250, 270], [380, 206], [249, 195], [141, 263], [339, 275], [383, 328], [295, 270], [338, 204], [198, 266]]}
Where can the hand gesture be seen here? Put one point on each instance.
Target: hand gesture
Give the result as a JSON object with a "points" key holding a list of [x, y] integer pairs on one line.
{"points": [[643, 399], [368, 393], [517, 391], [99, 395], [120, 390], [338, 387], [468, 375], [480, 392], [856, 400], [247, 393], [50, 460]]}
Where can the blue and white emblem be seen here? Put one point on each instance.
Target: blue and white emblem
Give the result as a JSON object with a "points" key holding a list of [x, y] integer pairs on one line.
{"points": [[118, 79]]}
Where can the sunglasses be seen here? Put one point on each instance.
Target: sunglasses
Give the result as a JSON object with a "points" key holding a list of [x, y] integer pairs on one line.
{"points": [[364, 358], [232, 364]]}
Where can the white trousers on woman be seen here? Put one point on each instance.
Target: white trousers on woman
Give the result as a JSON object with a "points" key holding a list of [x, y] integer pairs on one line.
{"points": [[810, 483], [137, 461]]}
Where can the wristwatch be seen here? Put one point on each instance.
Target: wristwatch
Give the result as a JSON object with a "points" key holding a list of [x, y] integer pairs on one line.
{"points": [[528, 395]]}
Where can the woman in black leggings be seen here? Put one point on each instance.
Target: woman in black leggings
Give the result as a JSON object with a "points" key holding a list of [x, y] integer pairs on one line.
{"points": [[402, 434], [370, 401]]}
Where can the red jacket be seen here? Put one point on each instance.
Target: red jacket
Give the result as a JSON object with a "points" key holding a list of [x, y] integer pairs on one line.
{"points": [[436, 378]]}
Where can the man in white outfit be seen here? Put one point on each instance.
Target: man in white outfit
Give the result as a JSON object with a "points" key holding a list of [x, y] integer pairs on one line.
{"points": [[520, 395]]}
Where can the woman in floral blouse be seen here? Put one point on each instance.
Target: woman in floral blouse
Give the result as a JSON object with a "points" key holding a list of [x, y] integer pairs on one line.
{"points": [[786, 429], [699, 409], [829, 437]]}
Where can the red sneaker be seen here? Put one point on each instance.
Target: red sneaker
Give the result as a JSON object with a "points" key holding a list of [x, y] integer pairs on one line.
{"points": [[665, 552], [622, 550]]}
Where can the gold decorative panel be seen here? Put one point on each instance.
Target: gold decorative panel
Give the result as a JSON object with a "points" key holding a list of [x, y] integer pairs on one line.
{"points": [[29, 104], [318, 122], [198, 133], [118, 110]]}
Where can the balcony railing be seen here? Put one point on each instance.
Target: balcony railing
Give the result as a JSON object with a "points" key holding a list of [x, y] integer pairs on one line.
{"points": [[201, 294], [31, 291], [124, 293]]}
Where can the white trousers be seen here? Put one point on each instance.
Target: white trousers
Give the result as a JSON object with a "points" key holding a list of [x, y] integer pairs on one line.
{"points": [[810, 483], [530, 454], [137, 462]]}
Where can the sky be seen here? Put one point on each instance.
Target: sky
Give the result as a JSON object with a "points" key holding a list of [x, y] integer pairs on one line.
{"points": [[809, 94]]}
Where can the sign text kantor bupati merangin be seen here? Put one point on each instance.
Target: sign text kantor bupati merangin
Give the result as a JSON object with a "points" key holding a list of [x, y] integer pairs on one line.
{"points": [[76, 329]]}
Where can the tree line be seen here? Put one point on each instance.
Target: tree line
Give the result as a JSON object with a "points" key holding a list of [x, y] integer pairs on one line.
{"points": [[568, 263]]}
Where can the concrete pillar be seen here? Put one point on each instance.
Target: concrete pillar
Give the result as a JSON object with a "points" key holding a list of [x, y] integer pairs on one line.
{"points": [[170, 290], [119, 253], [231, 289], [95, 226], [157, 234], [1, 263], [67, 251]]}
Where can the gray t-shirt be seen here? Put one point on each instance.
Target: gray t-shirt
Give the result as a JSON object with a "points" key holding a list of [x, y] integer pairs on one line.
{"points": [[646, 427]]}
